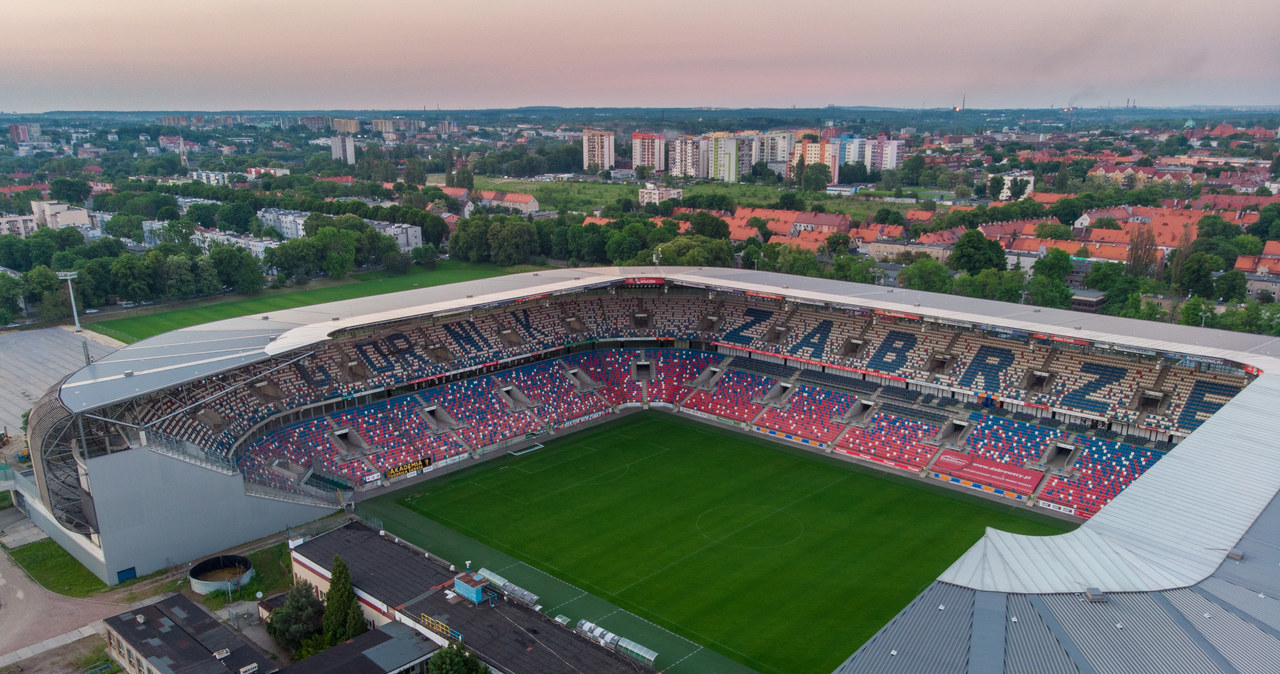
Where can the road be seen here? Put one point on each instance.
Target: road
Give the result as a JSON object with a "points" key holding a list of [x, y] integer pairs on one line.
{"points": [[29, 613]]}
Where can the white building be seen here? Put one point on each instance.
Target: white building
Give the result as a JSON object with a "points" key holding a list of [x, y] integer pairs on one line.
{"points": [[649, 149], [652, 194], [55, 214], [206, 237], [689, 157], [883, 153], [1006, 193], [775, 146], [597, 149], [407, 237], [343, 148], [728, 157], [287, 222], [20, 226], [211, 177]]}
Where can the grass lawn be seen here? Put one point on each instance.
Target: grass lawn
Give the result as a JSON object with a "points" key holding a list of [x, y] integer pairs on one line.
{"points": [[143, 323], [779, 559], [584, 196], [6, 500], [56, 569]]}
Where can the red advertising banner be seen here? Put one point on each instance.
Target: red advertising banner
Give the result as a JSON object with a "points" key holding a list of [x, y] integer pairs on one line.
{"points": [[646, 281], [987, 472]]}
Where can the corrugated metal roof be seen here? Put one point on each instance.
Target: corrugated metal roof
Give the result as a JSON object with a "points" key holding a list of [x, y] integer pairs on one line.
{"points": [[1257, 605], [1128, 634], [931, 635], [1030, 647], [1247, 648]]}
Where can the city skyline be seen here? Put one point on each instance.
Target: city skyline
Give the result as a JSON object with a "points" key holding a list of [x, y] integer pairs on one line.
{"points": [[392, 54]]}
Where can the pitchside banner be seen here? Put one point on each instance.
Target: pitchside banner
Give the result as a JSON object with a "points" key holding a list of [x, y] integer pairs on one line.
{"points": [[405, 469], [986, 471]]}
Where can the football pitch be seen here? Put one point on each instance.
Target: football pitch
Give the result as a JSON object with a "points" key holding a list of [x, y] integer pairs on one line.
{"points": [[702, 543]]}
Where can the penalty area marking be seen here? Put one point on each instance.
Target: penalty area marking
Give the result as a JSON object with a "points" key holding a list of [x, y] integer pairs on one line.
{"points": [[532, 448]]}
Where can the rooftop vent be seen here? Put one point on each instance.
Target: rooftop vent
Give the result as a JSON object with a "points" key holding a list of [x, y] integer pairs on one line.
{"points": [[1236, 554], [266, 318], [129, 373], [1094, 595]]}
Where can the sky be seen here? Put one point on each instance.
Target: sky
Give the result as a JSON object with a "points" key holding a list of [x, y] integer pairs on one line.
{"points": [[467, 54]]}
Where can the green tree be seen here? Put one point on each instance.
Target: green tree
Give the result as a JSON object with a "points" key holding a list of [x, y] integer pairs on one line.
{"points": [[511, 241], [850, 268], [974, 252], [1196, 277], [301, 616], [339, 250], [1055, 231], [1232, 286], [1018, 188], [237, 268], [1105, 223], [455, 659], [1055, 264], [926, 274], [206, 276], [995, 186], [397, 263], [426, 256], [837, 243], [708, 225], [789, 201], [10, 293], [1049, 292], [340, 605], [1198, 311], [816, 178], [130, 279], [69, 191], [180, 280], [471, 240]]}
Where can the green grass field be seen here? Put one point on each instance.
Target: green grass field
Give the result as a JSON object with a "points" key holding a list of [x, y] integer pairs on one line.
{"points": [[56, 569], [584, 196], [780, 559], [144, 323]]}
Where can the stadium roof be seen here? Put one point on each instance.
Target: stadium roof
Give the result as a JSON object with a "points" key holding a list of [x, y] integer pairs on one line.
{"points": [[1170, 529], [202, 351]]}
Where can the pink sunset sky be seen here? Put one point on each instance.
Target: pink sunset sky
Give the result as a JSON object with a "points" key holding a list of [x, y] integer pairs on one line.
{"points": [[399, 54]]}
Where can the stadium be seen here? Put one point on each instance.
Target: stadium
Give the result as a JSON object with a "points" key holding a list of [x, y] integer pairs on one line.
{"points": [[1155, 438]]}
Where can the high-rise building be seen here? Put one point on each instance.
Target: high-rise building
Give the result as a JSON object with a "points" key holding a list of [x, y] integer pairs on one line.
{"points": [[689, 157], [649, 149], [18, 133], [346, 126], [883, 153], [383, 125], [728, 157], [344, 148], [853, 148], [817, 152], [597, 149], [776, 146]]}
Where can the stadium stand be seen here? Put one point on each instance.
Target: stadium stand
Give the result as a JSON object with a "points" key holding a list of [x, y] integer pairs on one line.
{"points": [[547, 383], [893, 438], [810, 413], [483, 417], [672, 368], [611, 369], [1103, 469], [733, 396], [1008, 441], [764, 367]]}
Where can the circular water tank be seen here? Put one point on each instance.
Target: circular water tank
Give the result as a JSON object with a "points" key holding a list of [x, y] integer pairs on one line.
{"points": [[221, 573]]}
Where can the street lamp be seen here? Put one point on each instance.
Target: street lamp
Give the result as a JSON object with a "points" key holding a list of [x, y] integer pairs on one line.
{"points": [[68, 276], [1204, 315]]}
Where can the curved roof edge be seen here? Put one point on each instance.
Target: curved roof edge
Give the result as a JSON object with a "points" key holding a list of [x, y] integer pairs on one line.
{"points": [[1170, 528]]}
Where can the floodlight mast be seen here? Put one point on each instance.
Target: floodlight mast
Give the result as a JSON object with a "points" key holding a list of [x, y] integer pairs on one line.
{"points": [[68, 276]]}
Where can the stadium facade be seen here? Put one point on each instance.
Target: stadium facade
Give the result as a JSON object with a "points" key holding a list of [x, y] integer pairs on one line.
{"points": [[146, 458]]}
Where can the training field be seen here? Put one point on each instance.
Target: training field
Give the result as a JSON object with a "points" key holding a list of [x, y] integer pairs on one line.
{"points": [[779, 559]]}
